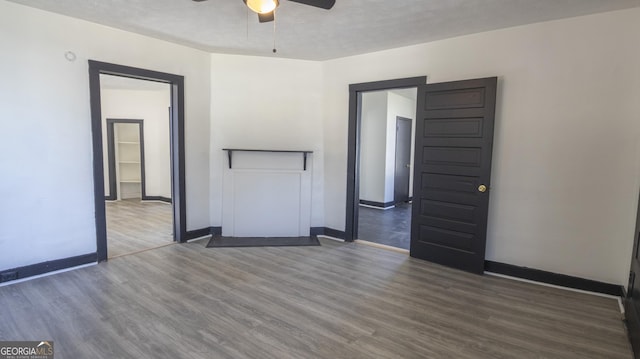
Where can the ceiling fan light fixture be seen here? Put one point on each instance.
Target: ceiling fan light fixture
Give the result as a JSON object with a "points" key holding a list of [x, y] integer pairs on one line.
{"points": [[262, 6]]}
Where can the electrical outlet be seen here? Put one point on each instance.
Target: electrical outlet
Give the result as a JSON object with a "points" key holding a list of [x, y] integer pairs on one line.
{"points": [[7, 276]]}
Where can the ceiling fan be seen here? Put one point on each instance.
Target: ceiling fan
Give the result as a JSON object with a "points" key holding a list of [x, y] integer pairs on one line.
{"points": [[266, 8]]}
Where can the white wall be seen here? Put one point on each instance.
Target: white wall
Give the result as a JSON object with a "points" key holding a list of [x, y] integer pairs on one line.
{"points": [[47, 207], [373, 140], [565, 174], [152, 107], [266, 103], [398, 105], [379, 110]]}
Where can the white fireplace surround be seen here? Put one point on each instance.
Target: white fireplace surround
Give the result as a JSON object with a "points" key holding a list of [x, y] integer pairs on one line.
{"points": [[267, 194]]}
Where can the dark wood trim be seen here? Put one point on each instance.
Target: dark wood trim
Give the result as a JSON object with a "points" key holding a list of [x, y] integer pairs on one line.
{"points": [[178, 190], [353, 165], [203, 232], [554, 278], [276, 151], [98, 169], [244, 242], [326, 231], [335, 233], [388, 84], [313, 231], [197, 233], [157, 198], [46, 267], [231, 150], [111, 164], [111, 157], [377, 204], [353, 144]]}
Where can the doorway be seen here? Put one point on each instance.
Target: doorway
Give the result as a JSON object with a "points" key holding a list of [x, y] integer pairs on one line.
{"points": [[138, 167], [452, 168], [385, 166], [356, 204], [176, 172]]}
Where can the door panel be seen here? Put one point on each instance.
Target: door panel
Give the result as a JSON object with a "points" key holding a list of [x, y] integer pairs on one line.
{"points": [[447, 210], [457, 127], [452, 156], [453, 161], [456, 98]]}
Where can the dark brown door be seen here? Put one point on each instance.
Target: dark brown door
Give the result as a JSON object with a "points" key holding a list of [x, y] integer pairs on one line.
{"points": [[452, 168], [403, 160], [632, 301]]}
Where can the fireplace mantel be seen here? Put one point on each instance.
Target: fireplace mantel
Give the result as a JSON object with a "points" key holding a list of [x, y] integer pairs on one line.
{"points": [[231, 150], [266, 193]]}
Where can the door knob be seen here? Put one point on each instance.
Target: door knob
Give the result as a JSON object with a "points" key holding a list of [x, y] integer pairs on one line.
{"points": [[482, 188], [408, 165]]}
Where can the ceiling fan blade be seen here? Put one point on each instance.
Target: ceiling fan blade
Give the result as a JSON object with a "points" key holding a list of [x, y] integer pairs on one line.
{"points": [[323, 4], [266, 17]]}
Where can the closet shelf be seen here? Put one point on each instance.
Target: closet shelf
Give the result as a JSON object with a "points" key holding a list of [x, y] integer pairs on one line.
{"points": [[231, 150]]}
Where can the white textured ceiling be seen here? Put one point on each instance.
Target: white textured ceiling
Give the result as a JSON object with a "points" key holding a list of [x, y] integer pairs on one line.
{"points": [[351, 27]]}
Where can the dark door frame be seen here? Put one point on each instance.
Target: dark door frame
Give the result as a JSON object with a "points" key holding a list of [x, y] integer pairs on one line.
{"points": [[178, 191], [111, 156], [353, 147]]}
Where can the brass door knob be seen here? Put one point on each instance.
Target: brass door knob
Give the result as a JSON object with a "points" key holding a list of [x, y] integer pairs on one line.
{"points": [[482, 188]]}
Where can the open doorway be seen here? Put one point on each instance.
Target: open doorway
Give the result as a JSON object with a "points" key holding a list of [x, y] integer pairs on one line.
{"points": [[387, 120], [383, 209], [127, 179], [137, 163]]}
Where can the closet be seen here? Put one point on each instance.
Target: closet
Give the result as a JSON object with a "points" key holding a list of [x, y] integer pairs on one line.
{"points": [[126, 162]]}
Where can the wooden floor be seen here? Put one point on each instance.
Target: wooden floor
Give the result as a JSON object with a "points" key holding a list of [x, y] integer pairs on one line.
{"points": [[391, 227], [133, 226], [341, 300]]}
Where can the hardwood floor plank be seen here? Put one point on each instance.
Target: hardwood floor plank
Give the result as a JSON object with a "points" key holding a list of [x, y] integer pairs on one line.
{"points": [[134, 225], [340, 300], [391, 227]]}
